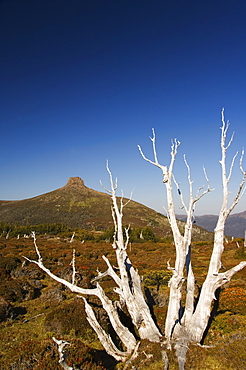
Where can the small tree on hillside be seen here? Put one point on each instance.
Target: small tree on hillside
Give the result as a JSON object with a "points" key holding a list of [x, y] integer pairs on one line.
{"points": [[186, 319]]}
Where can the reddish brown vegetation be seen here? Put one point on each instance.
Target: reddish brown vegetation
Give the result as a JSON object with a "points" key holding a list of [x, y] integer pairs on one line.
{"points": [[33, 308]]}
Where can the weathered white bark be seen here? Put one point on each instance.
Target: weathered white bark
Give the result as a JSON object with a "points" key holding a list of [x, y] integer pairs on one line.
{"points": [[62, 356], [182, 245], [214, 278], [188, 323], [104, 338], [123, 332], [128, 288], [129, 285]]}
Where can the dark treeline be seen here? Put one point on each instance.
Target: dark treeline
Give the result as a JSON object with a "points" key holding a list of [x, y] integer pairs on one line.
{"points": [[16, 229], [136, 234]]}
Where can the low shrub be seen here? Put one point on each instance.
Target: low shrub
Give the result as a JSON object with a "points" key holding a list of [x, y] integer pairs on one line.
{"points": [[157, 278], [8, 264], [233, 299], [6, 310], [17, 290], [68, 317]]}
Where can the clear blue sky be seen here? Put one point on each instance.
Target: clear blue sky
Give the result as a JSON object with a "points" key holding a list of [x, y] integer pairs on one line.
{"points": [[83, 81]]}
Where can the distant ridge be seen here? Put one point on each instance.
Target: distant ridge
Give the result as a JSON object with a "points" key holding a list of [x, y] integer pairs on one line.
{"points": [[76, 205], [235, 224]]}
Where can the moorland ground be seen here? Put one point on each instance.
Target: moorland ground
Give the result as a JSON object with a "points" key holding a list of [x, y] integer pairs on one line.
{"points": [[33, 308]]}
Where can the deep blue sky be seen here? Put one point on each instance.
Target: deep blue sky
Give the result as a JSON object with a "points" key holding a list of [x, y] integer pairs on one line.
{"points": [[83, 81]]}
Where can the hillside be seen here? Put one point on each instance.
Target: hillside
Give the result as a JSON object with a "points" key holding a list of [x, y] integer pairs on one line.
{"points": [[79, 206], [235, 225]]}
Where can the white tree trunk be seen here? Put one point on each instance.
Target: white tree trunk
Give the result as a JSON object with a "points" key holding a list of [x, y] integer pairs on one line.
{"points": [[62, 356], [130, 290], [188, 323], [184, 323], [123, 332]]}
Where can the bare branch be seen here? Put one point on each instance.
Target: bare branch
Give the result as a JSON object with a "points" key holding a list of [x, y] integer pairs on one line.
{"points": [[190, 184], [231, 166], [104, 338], [133, 356], [62, 356], [128, 201], [74, 288], [154, 146], [174, 147], [33, 235], [72, 263], [231, 139], [226, 276], [180, 194], [200, 195], [165, 360], [156, 162], [174, 150], [241, 189], [206, 176], [114, 185], [166, 213], [109, 272], [127, 236], [224, 129], [241, 162], [169, 267], [33, 317], [145, 158]]}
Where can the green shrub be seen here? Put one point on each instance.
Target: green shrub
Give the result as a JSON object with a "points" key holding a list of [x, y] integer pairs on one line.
{"points": [[240, 253], [158, 278], [67, 318]]}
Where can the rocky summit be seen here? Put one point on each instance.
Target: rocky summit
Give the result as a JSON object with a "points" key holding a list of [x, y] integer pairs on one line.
{"points": [[75, 182]]}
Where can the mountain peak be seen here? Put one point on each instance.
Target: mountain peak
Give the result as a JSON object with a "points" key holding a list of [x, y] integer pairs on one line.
{"points": [[75, 182]]}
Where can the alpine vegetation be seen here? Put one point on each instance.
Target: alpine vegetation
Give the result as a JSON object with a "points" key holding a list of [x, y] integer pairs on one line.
{"points": [[188, 312]]}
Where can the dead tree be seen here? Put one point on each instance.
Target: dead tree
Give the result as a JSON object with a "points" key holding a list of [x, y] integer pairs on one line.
{"points": [[128, 287], [185, 323]]}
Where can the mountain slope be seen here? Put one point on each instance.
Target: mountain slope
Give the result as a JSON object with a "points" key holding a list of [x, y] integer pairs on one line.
{"points": [[235, 224], [79, 206]]}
